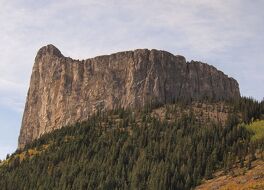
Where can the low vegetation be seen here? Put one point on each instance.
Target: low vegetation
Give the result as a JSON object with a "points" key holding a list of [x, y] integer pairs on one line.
{"points": [[257, 128]]}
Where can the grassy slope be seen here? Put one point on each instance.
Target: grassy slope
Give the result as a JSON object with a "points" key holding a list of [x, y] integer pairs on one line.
{"points": [[257, 127], [238, 179]]}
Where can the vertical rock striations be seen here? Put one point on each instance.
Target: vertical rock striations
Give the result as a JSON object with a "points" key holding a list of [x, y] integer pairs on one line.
{"points": [[63, 91]]}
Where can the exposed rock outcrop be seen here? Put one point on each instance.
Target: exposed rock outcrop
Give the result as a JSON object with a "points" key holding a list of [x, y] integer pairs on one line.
{"points": [[63, 91]]}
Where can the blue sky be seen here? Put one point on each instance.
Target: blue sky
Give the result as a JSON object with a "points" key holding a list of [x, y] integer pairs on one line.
{"points": [[225, 33]]}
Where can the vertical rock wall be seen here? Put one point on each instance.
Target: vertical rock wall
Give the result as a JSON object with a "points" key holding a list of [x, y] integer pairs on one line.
{"points": [[63, 91]]}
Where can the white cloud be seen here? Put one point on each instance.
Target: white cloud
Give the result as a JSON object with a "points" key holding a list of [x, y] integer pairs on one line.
{"points": [[199, 29], [12, 95]]}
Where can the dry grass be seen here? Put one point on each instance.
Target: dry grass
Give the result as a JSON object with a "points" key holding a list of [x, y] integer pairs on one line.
{"points": [[238, 180]]}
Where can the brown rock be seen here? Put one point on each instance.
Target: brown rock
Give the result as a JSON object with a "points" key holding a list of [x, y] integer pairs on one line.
{"points": [[63, 91]]}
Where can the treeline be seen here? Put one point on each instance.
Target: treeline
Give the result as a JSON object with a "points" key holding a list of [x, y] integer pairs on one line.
{"points": [[250, 108], [113, 150]]}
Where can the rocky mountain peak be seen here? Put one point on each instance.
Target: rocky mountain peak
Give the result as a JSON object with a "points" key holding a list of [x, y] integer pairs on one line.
{"points": [[50, 50], [63, 90]]}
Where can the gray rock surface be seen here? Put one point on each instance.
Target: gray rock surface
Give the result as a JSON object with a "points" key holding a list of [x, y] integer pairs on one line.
{"points": [[63, 90]]}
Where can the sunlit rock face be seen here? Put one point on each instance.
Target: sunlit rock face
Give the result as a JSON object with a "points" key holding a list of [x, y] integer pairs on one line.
{"points": [[63, 90]]}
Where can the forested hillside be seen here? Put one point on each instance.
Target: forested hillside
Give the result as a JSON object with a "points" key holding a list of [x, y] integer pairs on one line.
{"points": [[159, 147]]}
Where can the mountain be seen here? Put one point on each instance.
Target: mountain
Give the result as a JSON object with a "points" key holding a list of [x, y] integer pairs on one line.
{"points": [[143, 119], [64, 91]]}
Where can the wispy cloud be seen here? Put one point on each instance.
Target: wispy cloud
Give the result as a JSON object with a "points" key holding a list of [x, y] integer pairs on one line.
{"points": [[11, 94], [205, 30]]}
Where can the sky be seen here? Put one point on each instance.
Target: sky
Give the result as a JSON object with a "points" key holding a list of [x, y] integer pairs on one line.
{"points": [[228, 34]]}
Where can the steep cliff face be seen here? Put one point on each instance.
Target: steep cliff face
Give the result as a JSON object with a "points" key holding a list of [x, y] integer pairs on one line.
{"points": [[63, 91]]}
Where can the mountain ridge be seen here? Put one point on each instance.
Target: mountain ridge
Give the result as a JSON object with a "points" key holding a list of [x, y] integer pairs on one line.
{"points": [[64, 90]]}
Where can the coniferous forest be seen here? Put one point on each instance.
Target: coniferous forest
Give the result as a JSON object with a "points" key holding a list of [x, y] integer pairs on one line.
{"points": [[132, 149]]}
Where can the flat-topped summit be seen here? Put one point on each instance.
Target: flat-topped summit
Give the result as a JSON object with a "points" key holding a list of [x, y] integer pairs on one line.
{"points": [[63, 90]]}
